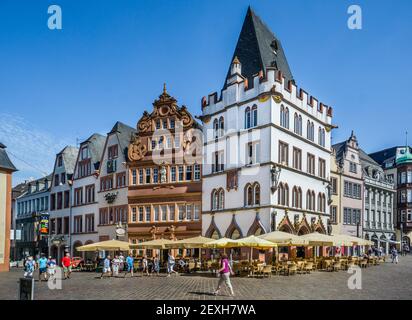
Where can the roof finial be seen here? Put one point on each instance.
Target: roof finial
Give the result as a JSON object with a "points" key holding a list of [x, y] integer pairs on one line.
{"points": [[406, 134], [236, 60], [164, 88]]}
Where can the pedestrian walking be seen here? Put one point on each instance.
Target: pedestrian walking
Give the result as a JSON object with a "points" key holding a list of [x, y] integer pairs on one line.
{"points": [[116, 266], [129, 265], [395, 258], [171, 264], [67, 266], [29, 267], [106, 267], [145, 266], [224, 275], [51, 267], [42, 262], [121, 258], [156, 265]]}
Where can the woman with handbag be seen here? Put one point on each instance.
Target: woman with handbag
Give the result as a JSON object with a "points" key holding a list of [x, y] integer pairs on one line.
{"points": [[224, 275]]}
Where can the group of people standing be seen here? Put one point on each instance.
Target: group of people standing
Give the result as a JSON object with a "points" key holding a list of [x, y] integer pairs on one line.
{"points": [[46, 266]]}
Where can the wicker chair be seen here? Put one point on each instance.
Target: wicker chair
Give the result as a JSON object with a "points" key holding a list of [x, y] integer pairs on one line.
{"points": [[308, 267]]}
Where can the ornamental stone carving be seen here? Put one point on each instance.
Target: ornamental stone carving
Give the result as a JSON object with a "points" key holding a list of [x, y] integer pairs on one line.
{"points": [[137, 150]]}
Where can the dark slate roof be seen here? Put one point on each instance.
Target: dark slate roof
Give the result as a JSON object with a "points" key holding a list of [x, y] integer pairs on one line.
{"points": [[96, 145], [366, 159], [382, 156], [124, 134], [5, 162], [255, 49], [69, 154], [339, 150]]}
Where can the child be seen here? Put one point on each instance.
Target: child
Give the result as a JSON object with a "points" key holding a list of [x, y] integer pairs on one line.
{"points": [[51, 267]]}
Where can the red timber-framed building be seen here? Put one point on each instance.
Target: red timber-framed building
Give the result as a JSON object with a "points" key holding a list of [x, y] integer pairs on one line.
{"points": [[165, 188]]}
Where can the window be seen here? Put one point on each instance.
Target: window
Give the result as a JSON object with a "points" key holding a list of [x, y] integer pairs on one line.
{"points": [[78, 196], [63, 177], [216, 128], [254, 115], [59, 161], [189, 212], [172, 123], [284, 117], [249, 195], [322, 168], [311, 164], [164, 123], [283, 153], [59, 200], [297, 158], [310, 131], [248, 118], [56, 180], [353, 167], [89, 222], [218, 199], [182, 213], [188, 173], [297, 124], [121, 180], [221, 127], [197, 212], [353, 190], [163, 209], [155, 175], [218, 162], [333, 214], [66, 228], [156, 211], [283, 195], [112, 152], [85, 153], [148, 175], [173, 174], [181, 173], [321, 137], [148, 211], [52, 202], [310, 200], [157, 124], [90, 194], [171, 212], [78, 224], [321, 202], [334, 184], [59, 228], [197, 172], [252, 153], [297, 197]]}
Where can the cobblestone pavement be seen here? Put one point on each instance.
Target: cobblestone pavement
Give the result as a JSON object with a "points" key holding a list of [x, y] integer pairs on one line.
{"points": [[387, 281]]}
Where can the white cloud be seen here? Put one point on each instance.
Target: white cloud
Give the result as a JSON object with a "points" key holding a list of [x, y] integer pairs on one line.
{"points": [[32, 149]]}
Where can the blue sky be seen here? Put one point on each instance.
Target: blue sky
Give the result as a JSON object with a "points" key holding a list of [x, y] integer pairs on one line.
{"points": [[111, 58]]}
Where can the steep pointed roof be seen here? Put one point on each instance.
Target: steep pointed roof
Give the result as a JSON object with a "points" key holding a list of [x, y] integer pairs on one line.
{"points": [[5, 162], [258, 48], [124, 134]]}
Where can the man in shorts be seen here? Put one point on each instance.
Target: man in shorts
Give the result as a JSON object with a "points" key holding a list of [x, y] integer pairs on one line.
{"points": [[42, 263], [106, 267], [67, 266], [129, 265], [51, 267]]}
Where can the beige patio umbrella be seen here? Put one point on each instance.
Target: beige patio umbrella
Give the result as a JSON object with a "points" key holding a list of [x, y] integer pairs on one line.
{"points": [[153, 244], [190, 243], [255, 242], [284, 239], [354, 240], [222, 243], [319, 239], [109, 245]]}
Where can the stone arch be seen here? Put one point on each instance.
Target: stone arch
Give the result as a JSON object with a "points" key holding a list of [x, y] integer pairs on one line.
{"points": [[285, 225], [232, 228], [213, 228], [303, 226], [76, 253], [89, 255], [256, 225]]}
